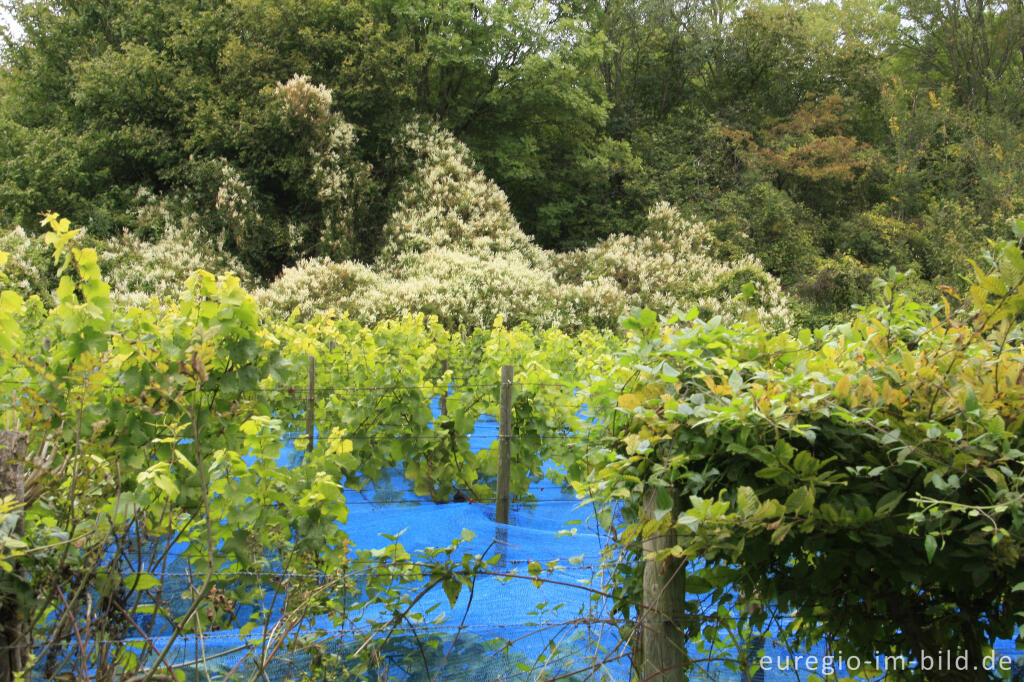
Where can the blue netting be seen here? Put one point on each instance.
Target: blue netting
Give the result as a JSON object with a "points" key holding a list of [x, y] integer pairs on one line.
{"points": [[502, 629]]}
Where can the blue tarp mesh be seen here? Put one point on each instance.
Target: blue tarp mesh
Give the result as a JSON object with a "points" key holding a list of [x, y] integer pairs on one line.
{"points": [[501, 629]]}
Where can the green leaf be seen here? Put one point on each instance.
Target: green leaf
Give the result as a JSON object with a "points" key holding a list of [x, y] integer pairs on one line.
{"points": [[736, 381], [780, 533], [184, 461], [800, 501], [141, 581], [452, 588], [888, 502], [663, 503], [971, 405], [250, 427]]}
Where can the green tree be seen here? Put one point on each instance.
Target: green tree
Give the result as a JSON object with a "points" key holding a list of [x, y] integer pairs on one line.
{"points": [[156, 94], [972, 45]]}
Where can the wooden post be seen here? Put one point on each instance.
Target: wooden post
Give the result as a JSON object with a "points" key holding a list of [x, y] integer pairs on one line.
{"points": [[311, 405], [502, 500], [443, 401], [664, 608], [753, 647], [15, 637]]}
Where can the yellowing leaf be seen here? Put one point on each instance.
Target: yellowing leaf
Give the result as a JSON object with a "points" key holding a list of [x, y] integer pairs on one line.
{"points": [[630, 401], [249, 428], [866, 388], [183, 461]]}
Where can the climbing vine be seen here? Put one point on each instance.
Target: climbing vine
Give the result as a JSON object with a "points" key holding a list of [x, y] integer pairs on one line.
{"points": [[163, 495]]}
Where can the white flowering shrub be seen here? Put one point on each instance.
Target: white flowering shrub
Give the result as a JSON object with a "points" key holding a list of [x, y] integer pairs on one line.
{"points": [[310, 189], [667, 269], [595, 303], [138, 270], [135, 268], [237, 207], [466, 289], [452, 248], [303, 102], [316, 285], [332, 177], [29, 267], [448, 203], [670, 267], [460, 288], [341, 183]]}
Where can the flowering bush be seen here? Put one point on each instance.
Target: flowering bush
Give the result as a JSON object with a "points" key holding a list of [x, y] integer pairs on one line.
{"points": [[670, 266], [139, 270], [448, 203], [452, 248], [467, 289], [311, 187], [316, 285], [330, 175], [596, 303], [28, 268], [597, 286], [237, 207]]}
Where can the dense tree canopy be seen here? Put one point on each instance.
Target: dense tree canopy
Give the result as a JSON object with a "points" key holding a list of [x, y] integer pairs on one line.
{"points": [[829, 140]]}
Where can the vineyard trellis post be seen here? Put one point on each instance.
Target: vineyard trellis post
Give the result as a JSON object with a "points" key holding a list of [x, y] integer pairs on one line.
{"points": [[443, 399], [502, 497], [15, 637], [502, 501], [311, 404], [664, 601]]}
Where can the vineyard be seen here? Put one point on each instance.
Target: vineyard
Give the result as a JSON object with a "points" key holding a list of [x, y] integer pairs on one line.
{"points": [[418, 341], [196, 490]]}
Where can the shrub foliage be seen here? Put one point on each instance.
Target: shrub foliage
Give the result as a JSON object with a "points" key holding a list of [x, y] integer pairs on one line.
{"points": [[867, 478]]}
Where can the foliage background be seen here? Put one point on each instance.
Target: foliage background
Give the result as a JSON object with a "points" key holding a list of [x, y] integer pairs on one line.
{"points": [[828, 141]]}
